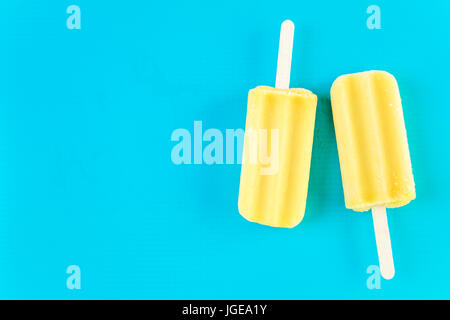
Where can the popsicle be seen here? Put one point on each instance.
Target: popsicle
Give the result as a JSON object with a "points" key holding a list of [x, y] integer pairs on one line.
{"points": [[373, 151], [280, 122]]}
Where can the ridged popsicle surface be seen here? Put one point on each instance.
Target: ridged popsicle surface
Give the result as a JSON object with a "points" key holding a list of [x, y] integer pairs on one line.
{"points": [[274, 178], [371, 139]]}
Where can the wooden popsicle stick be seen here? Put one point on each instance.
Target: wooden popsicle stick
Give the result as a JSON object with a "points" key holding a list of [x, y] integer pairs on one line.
{"points": [[285, 55], [383, 239]]}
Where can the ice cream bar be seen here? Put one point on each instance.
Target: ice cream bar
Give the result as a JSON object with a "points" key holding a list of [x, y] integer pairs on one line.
{"points": [[373, 151], [274, 184], [371, 139], [277, 146]]}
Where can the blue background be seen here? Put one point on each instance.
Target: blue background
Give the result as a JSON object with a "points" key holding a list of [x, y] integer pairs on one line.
{"points": [[86, 176]]}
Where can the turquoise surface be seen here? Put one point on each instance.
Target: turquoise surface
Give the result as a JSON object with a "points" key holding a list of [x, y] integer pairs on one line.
{"points": [[86, 176]]}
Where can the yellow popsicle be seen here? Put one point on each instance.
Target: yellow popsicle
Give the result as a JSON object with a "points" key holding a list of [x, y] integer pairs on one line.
{"points": [[277, 155], [371, 139]]}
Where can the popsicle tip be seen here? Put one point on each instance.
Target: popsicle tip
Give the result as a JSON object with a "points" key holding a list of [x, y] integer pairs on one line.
{"points": [[388, 273], [285, 55], [288, 24]]}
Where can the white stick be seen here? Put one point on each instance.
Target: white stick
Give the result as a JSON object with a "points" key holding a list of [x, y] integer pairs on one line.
{"points": [[383, 239], [285, 55]]}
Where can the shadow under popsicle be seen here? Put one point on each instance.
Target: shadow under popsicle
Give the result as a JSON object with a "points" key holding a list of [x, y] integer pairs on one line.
{"points": [[325, 187], [325, 203]]}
